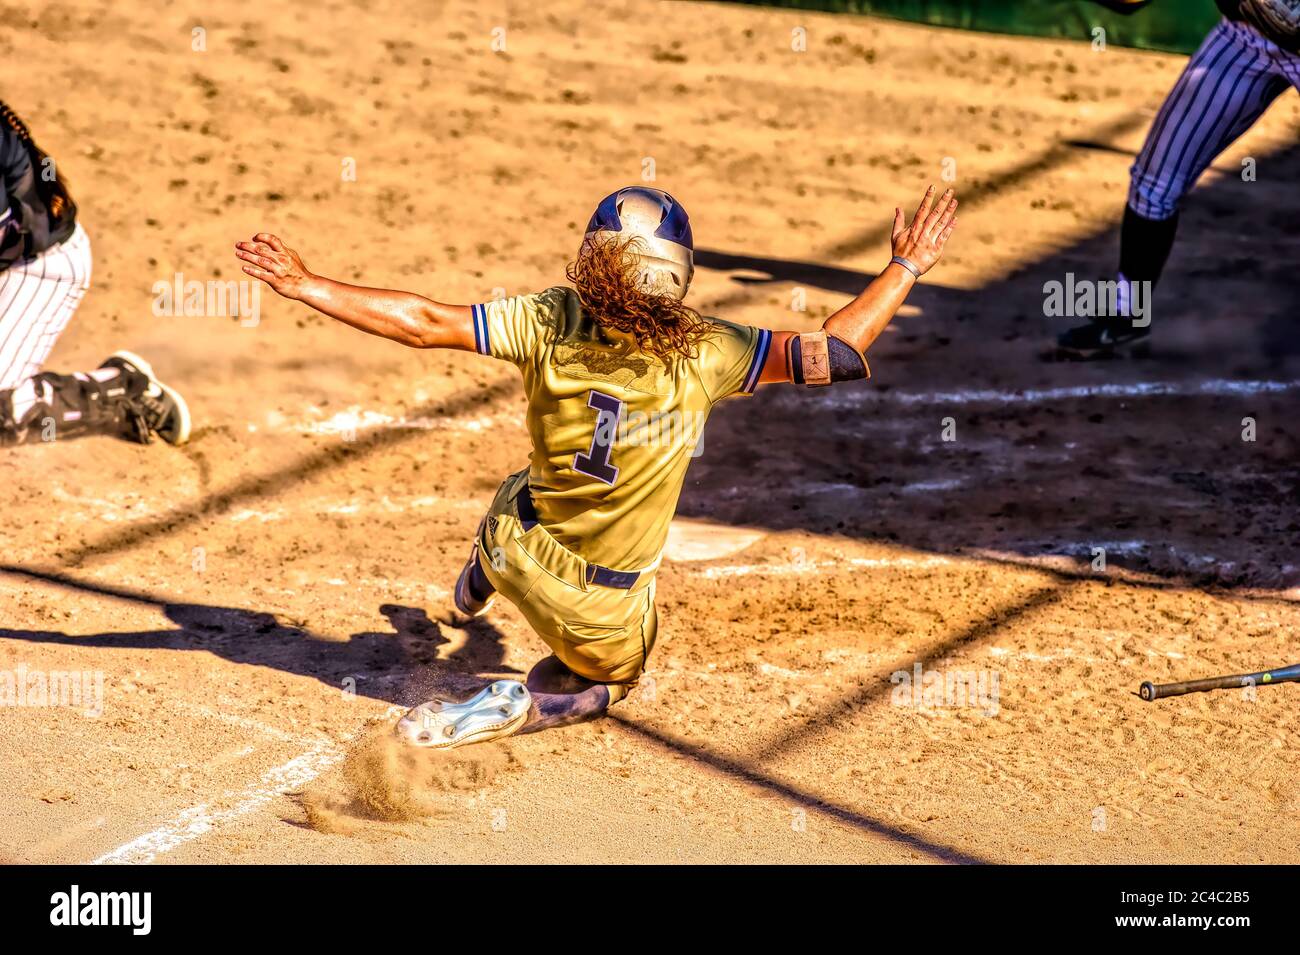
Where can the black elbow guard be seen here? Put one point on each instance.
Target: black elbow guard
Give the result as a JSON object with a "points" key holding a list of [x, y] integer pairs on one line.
{"points": [[816, 358]]}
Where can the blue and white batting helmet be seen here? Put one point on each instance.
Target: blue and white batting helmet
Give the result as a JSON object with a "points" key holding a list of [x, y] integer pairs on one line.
{"points": [[665, 248]]}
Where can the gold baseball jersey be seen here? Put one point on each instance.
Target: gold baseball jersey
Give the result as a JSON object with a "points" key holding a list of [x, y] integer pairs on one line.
{"points": [[613, 429]]}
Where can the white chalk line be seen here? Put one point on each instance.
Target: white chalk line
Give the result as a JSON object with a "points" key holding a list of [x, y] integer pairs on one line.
{"points": [[191, 823], [812, 566], [1218, 387], [199, 820], [355, 419], [1065, 556], [1138, 548], [196, 821], [316, 507], [244, 722]]}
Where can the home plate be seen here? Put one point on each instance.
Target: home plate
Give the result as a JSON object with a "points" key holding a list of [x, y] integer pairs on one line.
{"points": [[700, 540]]}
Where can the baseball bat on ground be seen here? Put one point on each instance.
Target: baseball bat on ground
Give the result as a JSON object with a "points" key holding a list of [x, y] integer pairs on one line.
{"points": [[1154, 691]]}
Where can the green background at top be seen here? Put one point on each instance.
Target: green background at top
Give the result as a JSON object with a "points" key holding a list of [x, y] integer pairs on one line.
{"points": [[1173, 25]]}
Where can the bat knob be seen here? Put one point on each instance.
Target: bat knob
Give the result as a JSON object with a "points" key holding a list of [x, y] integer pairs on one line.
{"points": [[1147, 691]]}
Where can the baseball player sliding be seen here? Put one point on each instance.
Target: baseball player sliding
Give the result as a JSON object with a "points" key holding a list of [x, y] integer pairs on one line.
{"points": [[1245, 63], [44, 272], [620, 375]]}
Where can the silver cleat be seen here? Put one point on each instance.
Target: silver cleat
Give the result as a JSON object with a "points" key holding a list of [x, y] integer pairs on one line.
{"points": [[496, 711]]}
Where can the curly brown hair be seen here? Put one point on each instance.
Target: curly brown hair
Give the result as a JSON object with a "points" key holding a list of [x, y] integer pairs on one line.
{"points": [[606, 276]]}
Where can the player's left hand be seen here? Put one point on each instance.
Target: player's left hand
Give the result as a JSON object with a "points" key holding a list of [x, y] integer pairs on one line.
{"points": [[274, 263], [922, 242]]}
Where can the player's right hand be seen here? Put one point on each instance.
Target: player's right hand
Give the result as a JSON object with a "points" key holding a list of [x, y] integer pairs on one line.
{"points": [[274, 263], [922, 242]]}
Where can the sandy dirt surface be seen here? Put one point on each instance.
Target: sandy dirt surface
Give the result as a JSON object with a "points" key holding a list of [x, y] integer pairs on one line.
{"points": [[260, 604]]}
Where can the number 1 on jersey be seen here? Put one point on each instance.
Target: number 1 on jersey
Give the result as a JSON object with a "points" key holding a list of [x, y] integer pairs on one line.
{"points": [[595, 463]]}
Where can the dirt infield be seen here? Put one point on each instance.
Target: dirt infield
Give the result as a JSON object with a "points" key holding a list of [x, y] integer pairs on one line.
{"points": [[259, 604]]}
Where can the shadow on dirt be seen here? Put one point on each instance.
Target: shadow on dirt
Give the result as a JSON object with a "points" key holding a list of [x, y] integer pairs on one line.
{"points": [[378, 665], [966, 440], [1183, 465], [402, 666]]}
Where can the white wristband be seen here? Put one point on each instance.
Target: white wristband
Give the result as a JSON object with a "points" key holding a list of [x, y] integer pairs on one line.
{"points": [[906, 264]]}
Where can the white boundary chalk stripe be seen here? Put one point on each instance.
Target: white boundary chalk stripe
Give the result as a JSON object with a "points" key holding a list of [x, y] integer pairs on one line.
{"points": [[243, 722], [199, 820], [356, 420], [817, 566], [1217, 387], [1064, 557]]}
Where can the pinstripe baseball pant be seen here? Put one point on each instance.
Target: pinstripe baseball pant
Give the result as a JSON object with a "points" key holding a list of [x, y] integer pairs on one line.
{"points": [[37, 298], [1226, 86]]}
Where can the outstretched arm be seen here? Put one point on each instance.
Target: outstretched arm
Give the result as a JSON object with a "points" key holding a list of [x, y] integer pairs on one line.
{"points": [[860, 322], [400, 316]]}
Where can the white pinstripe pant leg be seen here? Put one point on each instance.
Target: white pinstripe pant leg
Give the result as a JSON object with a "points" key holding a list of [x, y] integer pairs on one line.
{"points": [[1225, 87], [37, 299]]}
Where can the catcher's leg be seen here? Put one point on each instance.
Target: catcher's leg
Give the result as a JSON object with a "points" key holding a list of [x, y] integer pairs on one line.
{"points": [[121, 398], [1223, 90], [38, 297], [50, 407]]}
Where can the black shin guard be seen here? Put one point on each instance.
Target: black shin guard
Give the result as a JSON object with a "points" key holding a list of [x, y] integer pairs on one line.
{"points": [[68, 406]]}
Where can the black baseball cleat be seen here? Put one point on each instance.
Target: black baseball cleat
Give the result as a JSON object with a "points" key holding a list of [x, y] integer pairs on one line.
{"points": [[1100, 339], [154, 408]]}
